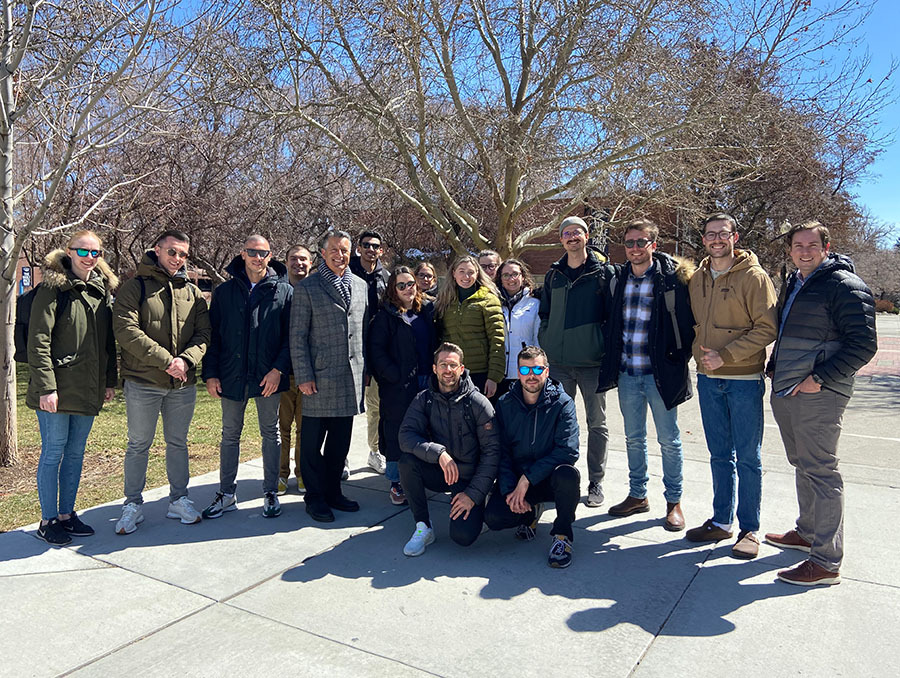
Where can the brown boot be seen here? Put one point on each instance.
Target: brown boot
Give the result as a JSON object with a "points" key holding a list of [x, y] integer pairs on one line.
{"points": [[789, 540], [630, 506], [674, 517]]}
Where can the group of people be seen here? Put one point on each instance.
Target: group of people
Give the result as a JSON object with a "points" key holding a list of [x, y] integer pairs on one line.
{"points": [[468, 386]]}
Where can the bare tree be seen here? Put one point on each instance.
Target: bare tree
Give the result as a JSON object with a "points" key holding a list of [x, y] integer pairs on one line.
{"points": [[76, 79]]}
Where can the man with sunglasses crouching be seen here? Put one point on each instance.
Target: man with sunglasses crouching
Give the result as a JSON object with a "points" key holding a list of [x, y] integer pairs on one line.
{"points": [[648, 336], [538, 450], [161, 322]]}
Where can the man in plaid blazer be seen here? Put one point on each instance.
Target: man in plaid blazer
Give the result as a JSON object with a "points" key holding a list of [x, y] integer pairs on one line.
{"points": [[328, 321]]}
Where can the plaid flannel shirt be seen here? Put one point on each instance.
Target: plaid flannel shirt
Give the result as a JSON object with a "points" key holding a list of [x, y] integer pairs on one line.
{"points": [[637, 306]]}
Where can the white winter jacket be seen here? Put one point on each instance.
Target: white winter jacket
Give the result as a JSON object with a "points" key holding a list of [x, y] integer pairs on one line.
{"points": [[521, 329]]}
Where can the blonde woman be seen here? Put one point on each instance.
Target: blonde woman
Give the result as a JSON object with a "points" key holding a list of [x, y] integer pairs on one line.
{"points": [[71, 373], [469, 315]]}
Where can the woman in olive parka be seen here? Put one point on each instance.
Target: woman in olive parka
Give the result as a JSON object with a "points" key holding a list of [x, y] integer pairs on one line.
{"points": [[71, 373]]}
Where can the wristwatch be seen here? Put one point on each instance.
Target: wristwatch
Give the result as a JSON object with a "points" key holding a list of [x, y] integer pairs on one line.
{"points": [[817, 378]]}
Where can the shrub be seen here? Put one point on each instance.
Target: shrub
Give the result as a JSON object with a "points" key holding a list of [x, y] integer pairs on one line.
{"points": [[884, 306]]}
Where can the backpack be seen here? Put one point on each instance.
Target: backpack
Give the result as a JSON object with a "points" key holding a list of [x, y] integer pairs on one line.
{"points": [[23, 317]]}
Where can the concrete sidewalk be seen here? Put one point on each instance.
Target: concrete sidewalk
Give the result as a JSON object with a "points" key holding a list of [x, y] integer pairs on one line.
{"points": [[247, 596]]}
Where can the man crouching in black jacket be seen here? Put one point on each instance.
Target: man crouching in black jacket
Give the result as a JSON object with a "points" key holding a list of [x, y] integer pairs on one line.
{"points": [[450, 444], [539, 448]]}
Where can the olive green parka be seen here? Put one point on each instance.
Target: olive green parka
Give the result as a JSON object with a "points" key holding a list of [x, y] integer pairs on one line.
{"points": [[75, 354]]}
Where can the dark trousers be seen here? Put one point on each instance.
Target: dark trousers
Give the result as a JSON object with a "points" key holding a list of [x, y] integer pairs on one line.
{"points": [[321, 468], [560, 487], [416, 476]]}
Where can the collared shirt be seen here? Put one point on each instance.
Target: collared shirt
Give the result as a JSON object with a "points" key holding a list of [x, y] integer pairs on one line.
{"points": [[637, 306], [341, 283]]}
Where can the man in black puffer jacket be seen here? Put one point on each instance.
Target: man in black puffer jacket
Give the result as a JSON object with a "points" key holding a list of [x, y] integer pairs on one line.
{"points": [[249, 357], [538, 451], [826, 333], [449, 444]]}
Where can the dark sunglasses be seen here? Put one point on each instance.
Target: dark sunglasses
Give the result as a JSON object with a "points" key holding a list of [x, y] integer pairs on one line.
{"points": [[403, 285], [425, 276], [83, 252], [257, 253], [172, 252], [370, 245], [640, 242], [524, 370]]}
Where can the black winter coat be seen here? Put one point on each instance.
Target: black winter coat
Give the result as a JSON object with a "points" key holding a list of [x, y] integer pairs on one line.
{"points": [[393, 360], [467, 433], [668, 359], [534, 440], [249, 331], [829, 330], [376, 280]]}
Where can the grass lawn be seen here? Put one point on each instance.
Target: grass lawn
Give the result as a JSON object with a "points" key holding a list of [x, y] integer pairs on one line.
{"points": [[102, 477]]}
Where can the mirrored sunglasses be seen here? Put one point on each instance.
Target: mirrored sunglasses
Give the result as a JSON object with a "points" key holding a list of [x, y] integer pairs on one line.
{"points": [[84, 252], [525, 370]]}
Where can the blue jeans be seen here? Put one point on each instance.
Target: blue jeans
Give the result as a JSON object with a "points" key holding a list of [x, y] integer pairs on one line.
{"points": [[63, 437], [230, 447], [732, 413], [635, 393], [392, 471]]}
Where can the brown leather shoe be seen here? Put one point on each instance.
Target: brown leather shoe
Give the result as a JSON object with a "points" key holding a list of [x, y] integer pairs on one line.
{"points": [[630, 506], [809, 573], [674, 517], [788, 540], [747, 545], [707, 532]]}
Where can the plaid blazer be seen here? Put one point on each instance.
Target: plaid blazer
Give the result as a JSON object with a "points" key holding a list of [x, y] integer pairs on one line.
{"points": [[327, 340]]}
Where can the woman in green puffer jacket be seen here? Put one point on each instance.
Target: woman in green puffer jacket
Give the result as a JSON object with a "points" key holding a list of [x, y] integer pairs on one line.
{"points": [[71, 373], [469, 315]]}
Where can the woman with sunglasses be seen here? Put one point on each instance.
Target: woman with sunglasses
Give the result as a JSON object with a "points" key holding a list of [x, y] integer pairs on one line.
{"points": [[426, 279], [401, 344], [71, 373], [469, 315], [520, 313]]}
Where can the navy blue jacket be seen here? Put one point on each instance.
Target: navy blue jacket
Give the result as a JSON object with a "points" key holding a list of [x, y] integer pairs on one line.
{"points": [[536, 439], [249, 331], [669, 361]]}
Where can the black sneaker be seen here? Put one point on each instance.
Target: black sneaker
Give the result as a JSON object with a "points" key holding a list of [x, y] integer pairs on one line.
{"points": [[75, 527], [53, 533], [560, 552]]}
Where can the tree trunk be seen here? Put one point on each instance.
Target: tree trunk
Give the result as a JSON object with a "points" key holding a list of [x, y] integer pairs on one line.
{"points": [[9, 448]]}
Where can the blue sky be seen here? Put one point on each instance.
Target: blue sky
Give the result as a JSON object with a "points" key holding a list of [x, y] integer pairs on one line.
{"points": [[880, 192]]}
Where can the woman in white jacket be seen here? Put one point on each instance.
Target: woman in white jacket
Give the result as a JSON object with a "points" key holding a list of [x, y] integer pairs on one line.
{"points": [[520, 315]]}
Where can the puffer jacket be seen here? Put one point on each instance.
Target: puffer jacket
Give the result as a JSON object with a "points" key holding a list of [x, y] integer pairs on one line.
{"points": [[476, 326], [572, 313], [522, 324], [471, 439], [668, 360], [168, 319], [250, 331], [536, 439], [74, 355], [734, 315], [829, 330]]}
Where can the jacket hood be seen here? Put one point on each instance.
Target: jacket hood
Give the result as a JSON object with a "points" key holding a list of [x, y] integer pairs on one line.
{"points": [[668, 264], [466, 387], [236, 269], [150, 268], [838, 262], [57, 271], [743, 260]]}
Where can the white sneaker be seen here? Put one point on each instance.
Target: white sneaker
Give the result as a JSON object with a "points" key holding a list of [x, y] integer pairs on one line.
{"points": [[183, 509], [377, 462], [422, 537], [132, 514]]}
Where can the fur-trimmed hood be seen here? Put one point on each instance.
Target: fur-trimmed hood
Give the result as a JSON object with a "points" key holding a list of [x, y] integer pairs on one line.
{"points": [[57, 271]]}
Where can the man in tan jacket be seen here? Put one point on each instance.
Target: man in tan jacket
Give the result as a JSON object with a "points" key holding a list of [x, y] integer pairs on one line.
{"points": [[733, 301]]}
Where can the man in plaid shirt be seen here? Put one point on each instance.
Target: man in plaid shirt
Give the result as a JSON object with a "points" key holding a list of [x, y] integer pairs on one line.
{"points": [[648, 336]]}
